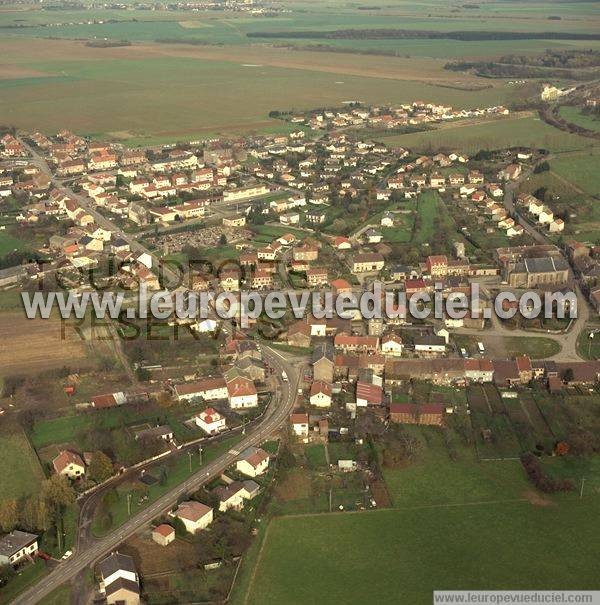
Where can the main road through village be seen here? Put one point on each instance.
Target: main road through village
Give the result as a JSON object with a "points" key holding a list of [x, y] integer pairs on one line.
{"points": [[276, 415]]}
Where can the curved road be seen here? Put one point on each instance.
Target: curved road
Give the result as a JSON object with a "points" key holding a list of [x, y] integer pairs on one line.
{"points": [[274, 419]]}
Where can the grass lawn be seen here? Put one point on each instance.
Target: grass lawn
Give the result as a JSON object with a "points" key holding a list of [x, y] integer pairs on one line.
{"points": [[406, 554], [8, 243], [25, 578], [178, 470], [537, 347], [315, 455], [588, 348], [60, 596], [581, 169], [22, 472], [429, 207]]}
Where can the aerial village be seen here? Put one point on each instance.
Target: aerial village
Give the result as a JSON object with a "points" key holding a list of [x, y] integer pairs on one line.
{"points": [[323, 208]]}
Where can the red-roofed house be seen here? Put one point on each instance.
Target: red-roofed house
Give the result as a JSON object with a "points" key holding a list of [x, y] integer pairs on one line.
{"points": [[299, 424], [210, 421], [359, 344], [242, 393], [320, 394], [69, 464], [163, 534], [254, 461]]}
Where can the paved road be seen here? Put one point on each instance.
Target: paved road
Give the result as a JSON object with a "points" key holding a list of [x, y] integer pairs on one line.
{"points": [[276, 416]]}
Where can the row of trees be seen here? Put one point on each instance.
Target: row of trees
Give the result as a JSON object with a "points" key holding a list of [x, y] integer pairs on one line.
{"points": [[40, 511]]}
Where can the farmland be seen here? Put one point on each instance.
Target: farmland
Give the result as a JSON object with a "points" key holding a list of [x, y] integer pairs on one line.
{"points": [[511, 132], [267, 78], [482, 548], [575, 116], [37, 345]]}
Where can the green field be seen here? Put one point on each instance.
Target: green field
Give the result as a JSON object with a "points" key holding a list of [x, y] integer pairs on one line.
{"points": [[510, 132], [575, 116], [537, 347], [406, 554], [8, 243], [581, 169], [22, 472], [456, 523]]}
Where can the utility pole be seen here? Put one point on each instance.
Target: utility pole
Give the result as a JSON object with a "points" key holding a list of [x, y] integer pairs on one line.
{"points": [[190, 460], [200, 454], [129, 504], [582, 484], [243, 425], [330, 499]]}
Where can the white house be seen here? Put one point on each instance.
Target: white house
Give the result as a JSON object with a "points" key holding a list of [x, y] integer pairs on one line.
{"points": [[546, 216], [194, 515], [387, 220], [320, 394], [209, 389], [299, 424], [210, 421], [205, 326], [391, 344], [253, 462], [16, 546]]}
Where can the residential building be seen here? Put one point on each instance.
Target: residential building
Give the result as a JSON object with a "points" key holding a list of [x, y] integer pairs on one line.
{"points": [[320, 394], [194, 515], [210, 421], [69, 464], [163, 534], [253, 462], [17, 546]]}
